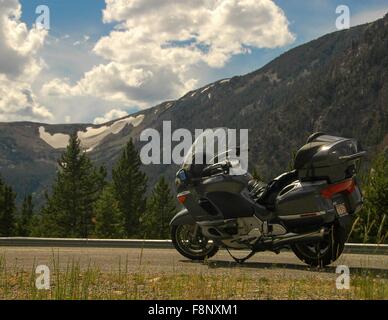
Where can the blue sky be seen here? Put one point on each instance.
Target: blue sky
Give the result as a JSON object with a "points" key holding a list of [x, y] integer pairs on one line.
{"points": [[74, 51]]}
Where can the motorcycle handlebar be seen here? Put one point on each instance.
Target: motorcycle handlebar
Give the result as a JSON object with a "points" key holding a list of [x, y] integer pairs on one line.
{"points": [[216, 167]]}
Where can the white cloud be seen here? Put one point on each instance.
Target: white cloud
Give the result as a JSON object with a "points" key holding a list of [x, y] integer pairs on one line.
{"points": [[18, 44], [84, 40], [58, 87], [19, 65], [17, 102], [111, 115], [223, 27], [156, 46]]}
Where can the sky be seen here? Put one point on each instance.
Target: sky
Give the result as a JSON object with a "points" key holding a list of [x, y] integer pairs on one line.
{"points": [[103, 59]]}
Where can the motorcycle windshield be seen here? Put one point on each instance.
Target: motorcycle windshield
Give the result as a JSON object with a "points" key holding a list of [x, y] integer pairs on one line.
{"points": [[216, 145]]}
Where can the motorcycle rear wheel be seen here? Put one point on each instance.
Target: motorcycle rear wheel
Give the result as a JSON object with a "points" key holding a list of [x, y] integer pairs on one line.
{"points": [[190, 242], [325, 252]]}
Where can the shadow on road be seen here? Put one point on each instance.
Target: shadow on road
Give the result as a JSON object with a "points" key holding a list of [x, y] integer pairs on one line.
{"points": [[291, 266]]}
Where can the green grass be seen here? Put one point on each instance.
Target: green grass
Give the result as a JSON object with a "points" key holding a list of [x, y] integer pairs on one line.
{"points": [[75, 283]]}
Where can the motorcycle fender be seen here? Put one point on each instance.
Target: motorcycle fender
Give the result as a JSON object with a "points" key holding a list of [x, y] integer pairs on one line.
{"points": [[182, 217], [346, 222]]}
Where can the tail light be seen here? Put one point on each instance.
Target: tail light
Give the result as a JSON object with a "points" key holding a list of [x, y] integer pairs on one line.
{"points": [[345, 186]]}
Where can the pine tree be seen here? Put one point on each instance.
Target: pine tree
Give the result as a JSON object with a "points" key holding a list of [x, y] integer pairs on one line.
{"points": [[130, 185], [78, 184], [109, 219], [7, 210], [24, 220], [160, 210]]}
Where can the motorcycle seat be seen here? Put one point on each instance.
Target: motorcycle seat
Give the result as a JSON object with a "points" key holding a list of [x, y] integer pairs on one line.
{"points": [[265, 194]]}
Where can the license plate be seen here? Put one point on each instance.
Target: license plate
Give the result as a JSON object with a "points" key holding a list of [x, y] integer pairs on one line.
{"points": [[341, 209]]}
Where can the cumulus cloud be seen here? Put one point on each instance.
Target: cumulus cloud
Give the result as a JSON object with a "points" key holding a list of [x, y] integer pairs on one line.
{"points": [[59, 87], [212, 30], [122, 83], [18, 44], [156, 45], [17, 102], [111, 115], [19, 65]]}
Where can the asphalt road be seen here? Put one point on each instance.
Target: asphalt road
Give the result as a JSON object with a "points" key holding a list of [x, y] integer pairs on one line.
{"points": [[263, 264]]}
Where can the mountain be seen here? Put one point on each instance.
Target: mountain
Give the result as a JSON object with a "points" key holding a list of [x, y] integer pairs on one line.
{"points": [[337, 84]]}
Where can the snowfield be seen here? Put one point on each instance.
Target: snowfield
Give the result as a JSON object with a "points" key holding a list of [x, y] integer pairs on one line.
{"points": [[57, 140], [90, 138]]}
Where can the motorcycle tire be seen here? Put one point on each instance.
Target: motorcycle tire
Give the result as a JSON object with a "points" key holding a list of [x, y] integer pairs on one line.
{"points": [[192, 253], [326, 251]]}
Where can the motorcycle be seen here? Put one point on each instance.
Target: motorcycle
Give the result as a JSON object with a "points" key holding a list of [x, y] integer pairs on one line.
{"points": [[308, 210]]}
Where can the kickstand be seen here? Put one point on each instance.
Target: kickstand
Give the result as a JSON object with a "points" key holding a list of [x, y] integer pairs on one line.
{"points": [[241, 261]]}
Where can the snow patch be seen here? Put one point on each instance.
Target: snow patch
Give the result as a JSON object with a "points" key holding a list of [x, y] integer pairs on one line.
{"points": [[224, 81], [57, 140], [207, 88], [92, 137], [169, 105]]}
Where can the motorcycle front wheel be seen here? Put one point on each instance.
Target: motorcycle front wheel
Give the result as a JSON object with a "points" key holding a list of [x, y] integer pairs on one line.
{"points": [[322, 253], [190, 242]]}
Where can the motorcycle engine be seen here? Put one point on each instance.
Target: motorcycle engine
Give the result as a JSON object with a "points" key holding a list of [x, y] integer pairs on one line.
{"points": [[250, 230]]}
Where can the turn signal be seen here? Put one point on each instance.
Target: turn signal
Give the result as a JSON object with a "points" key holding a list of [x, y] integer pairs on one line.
{"points": [[182, 197]]}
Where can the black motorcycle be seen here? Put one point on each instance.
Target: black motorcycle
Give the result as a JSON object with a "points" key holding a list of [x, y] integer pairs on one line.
{"points": [[308, 209]]}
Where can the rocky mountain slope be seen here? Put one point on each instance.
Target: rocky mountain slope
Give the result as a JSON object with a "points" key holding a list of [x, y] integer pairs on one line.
{"points": [[337, 84]]}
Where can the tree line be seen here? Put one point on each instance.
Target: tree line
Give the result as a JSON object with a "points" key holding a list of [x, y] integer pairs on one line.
{"points": [[84, 204]]}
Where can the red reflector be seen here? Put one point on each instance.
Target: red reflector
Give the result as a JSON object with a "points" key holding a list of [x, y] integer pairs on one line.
{"points": [[312, 214], [182, 198], [331, 190]]}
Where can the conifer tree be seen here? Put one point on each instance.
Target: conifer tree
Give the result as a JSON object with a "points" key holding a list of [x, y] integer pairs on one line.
{"points": [[109, 219], [25, 218], [78, 184], [7, 210], [130, 185], [160, 210]]}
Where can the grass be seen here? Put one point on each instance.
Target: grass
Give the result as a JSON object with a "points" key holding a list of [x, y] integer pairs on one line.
{"points": [[75, 283]]}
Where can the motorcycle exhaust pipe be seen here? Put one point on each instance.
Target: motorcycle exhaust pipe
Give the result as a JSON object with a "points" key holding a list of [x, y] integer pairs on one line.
{"points": [[290, 238]]}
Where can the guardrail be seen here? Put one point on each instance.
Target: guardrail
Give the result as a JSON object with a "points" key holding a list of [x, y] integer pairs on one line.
{"points": [[366, 248], [356, 248], [92, 243]]}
